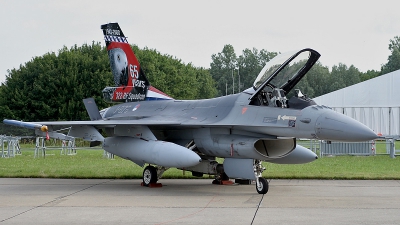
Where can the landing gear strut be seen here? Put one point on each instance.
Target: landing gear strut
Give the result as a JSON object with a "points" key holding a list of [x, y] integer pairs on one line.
{"points": [[261, 183], [221, 178]]}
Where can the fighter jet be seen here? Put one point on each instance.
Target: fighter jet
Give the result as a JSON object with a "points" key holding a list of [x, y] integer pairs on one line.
{"points": [[260, 124]]}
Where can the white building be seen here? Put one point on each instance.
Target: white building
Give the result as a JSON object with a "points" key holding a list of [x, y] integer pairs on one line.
{"points": [[375, 103]]}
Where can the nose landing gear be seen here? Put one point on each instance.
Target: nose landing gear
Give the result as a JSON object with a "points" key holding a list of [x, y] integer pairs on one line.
{"points": [[261, 183]]}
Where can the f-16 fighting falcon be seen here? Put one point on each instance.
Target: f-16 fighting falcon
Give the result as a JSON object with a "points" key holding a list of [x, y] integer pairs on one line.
{"points": [[260, 124]]}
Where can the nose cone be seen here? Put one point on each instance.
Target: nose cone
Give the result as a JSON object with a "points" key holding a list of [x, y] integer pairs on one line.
{"points": [[338, 127]]}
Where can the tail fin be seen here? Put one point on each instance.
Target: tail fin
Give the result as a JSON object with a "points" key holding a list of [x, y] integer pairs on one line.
{"points": [[130, 81], [92, 109]]}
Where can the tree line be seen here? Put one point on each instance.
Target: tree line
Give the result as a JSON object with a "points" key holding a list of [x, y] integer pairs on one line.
{"points": [[235, 73], [52, 86]]}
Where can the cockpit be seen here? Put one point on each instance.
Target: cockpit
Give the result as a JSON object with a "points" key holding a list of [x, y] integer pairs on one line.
{"points": [[278, 78]]}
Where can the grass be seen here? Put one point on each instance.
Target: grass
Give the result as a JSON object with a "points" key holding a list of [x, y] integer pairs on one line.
{"points": [[89, 164], [339, 167]]}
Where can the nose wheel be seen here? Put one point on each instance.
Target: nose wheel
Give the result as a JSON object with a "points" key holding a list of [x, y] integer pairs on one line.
{"points": [[262, 185]]}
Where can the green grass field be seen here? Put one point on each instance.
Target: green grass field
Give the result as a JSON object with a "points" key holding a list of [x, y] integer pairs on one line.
{"points": [[91, 164]]}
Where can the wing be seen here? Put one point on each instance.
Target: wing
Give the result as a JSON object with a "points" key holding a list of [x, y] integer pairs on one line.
{"points": [[109, 123], [88, 130]]}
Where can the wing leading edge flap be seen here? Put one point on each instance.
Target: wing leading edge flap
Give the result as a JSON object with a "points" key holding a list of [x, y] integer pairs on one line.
{"points": [[110, 122]]}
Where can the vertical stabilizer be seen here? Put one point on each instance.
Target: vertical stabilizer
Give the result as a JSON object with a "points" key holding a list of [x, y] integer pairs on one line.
{"points": [[130, 82], [92, 109]]}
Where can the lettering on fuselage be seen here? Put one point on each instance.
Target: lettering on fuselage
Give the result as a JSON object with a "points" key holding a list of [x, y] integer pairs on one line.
{"points": [[129, 96], [291, 120], [122, 109], [138, 83], [113, 32], [286, 117], [269, 120], [133, 70]]}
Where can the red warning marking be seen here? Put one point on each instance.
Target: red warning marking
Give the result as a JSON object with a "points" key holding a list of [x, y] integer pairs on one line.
{"points": [[226, 182], [244, 109], [152, 185]]}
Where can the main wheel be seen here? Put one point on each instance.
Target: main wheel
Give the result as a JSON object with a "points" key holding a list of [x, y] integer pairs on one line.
{"points": [[149, 175], [262, 185]]}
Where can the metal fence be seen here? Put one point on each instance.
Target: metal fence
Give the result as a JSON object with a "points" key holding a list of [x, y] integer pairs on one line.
{"points": [[67, 147], [325, 148], [391, 146], [347, 148], [9, 146]]}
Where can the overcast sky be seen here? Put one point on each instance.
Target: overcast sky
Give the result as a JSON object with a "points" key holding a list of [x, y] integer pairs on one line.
{"points": [[349, 32]]}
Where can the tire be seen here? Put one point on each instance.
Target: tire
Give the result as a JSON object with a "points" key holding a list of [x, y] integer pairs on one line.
{"points": [[149, 175], [263, 187]]}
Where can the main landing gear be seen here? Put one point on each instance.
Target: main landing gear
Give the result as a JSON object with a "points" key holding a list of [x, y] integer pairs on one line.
{"points": [[261, 183], [222, 178], [253, 167], [151, 175]]}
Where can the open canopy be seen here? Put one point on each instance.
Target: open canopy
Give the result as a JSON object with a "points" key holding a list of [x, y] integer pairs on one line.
{"points": [[285, 70]]}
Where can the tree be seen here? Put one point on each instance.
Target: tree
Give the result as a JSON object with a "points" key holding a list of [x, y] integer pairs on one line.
{"points": [[173, 77], [251, 63], [206, 85], [226, 68], [315, 82], [342, 76], [369, 75], [52, 86], [221, 69], [394, 58]]}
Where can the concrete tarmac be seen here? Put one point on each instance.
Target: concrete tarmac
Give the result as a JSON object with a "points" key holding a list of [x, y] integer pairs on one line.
{"points": [[72, 201]]}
